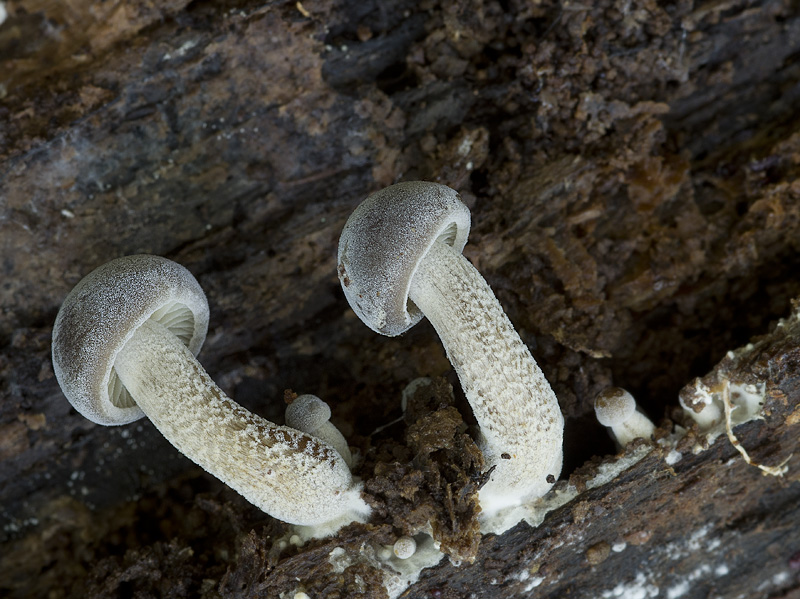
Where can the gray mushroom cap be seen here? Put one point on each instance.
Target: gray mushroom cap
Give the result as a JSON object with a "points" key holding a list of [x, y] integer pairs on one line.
{"points": [[101, 313], [307, 413], [385, 239]]}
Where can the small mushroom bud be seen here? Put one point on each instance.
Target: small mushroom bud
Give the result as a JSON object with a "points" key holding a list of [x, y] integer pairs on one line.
{"points": [[399, 259], [308, 413], [124, 345], [699, 404], [404, 547], [616, 409]]}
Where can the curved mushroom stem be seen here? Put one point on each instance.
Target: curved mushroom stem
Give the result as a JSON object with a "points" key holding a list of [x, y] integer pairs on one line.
{"points": [[286, 473], [518, 413]]}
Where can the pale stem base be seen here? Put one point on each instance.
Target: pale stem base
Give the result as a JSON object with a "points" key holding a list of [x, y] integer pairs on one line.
{"points": [[708, 417], [638, 425], [518, 413]]}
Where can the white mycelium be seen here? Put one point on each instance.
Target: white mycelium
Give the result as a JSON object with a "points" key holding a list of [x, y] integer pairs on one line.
{"points": [[123, 345]]}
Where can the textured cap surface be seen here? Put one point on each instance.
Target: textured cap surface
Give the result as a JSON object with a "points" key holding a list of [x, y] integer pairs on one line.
{"points": [[383, 241], [307, 413], [614, 406], [100, 314]]}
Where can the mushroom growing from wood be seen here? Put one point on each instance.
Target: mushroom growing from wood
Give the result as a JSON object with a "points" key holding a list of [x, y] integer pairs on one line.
{"points": [[404, 547], [699, 404], [309, 414], [616, 409], [399, 259], [124, 345]]}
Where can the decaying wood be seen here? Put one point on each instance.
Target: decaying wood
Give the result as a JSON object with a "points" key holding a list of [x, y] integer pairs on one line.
{"points": [[631, 168]]}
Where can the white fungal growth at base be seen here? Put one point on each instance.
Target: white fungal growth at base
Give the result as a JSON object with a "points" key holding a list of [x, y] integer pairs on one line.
{"points": [[639, 588], [520, 420], [286, 473], [739, 403], [679, 590], [402, 573], [535, 582], [398, 574], [637, 426], [694, 578], [779, 470], [746, 402], [535, 511], [673, 457], [726, 404]]}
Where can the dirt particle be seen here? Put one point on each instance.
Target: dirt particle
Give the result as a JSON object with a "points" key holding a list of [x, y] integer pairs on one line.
{"points": [[34, 422], [639, 537], [597, 554], [794, 417], [580, 511], [13, 440]]}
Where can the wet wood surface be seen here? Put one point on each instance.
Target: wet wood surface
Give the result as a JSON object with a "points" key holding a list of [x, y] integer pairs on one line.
{"points": [[631, 168]]}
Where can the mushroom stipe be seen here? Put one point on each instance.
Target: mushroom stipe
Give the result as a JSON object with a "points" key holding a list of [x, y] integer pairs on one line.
{"points": [[124, 345], [399, 259]]}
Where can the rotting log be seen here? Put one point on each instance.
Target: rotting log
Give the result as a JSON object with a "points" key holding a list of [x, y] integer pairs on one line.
{"points": [[632, 174]]}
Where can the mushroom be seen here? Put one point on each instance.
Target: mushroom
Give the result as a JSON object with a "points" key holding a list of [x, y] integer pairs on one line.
{"points": [[698, 402], [309, 414], [404, 547], [616, 409], [399, 259], [124, 345]]}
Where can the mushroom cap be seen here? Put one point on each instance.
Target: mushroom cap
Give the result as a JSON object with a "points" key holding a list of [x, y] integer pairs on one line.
{"points": [[614, 406], [307, 413], [384, 240], [405, 547], [102, 312]]}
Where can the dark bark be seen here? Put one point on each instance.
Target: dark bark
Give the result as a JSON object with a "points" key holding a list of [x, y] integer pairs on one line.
{"points": [[632, 174]]}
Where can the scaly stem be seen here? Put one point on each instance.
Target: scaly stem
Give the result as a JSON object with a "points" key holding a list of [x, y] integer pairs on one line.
{"points": [[286, 473], [518, 413]]}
